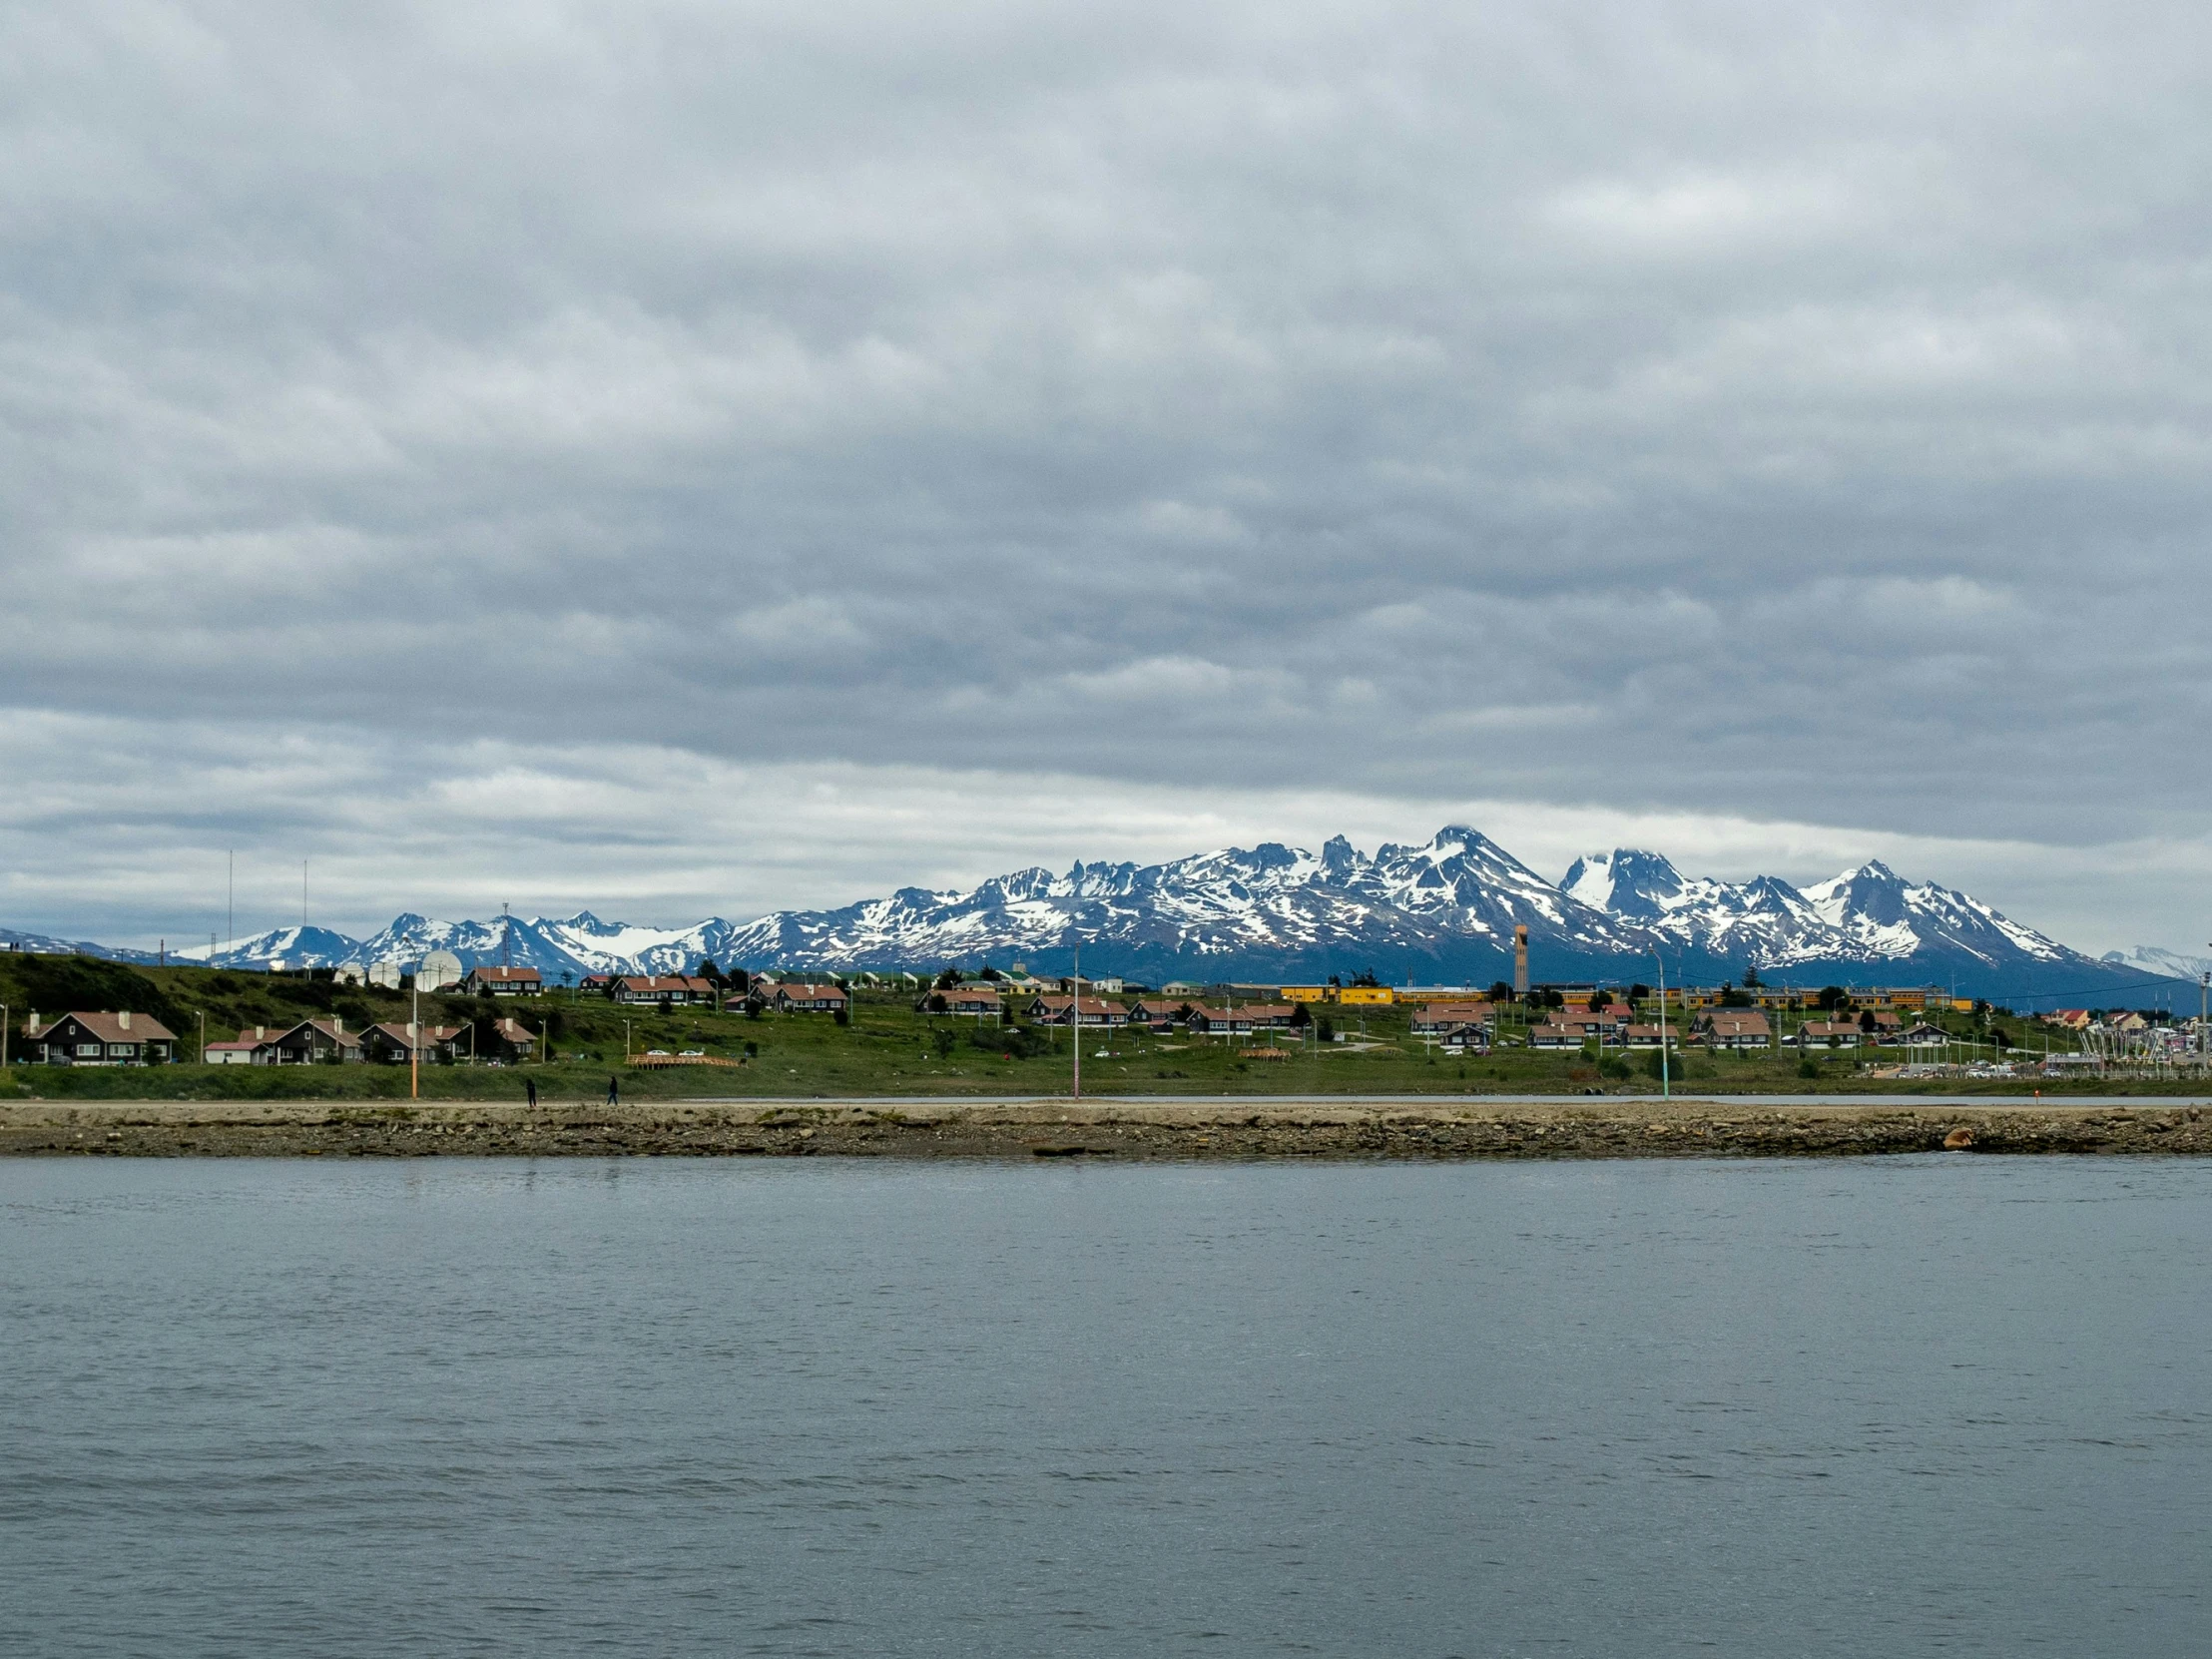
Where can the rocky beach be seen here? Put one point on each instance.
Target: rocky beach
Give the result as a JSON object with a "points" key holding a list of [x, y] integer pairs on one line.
{"points": [[1120, 1129]]}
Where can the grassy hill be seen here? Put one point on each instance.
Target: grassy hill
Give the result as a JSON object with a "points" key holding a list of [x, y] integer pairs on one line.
{"points": [[886, 1049]]}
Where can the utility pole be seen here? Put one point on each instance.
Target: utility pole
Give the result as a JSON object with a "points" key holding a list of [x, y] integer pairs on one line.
{"points": [[414, 1039], [1075, 1022], [231, 906], [3, 1037], [1666, 1087]]}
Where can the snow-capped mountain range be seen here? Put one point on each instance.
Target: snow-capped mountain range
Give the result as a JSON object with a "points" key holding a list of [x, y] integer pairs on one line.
{"points": [[1440, 913]]}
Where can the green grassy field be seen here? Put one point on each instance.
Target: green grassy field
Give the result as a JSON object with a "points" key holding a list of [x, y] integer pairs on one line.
{"points": [[886, 1049]]}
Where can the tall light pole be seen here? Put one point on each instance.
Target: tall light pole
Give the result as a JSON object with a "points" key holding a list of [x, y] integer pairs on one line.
{"points": [[414, 1039], [1075, 1022], [3, 1037], [1666, 1085]]}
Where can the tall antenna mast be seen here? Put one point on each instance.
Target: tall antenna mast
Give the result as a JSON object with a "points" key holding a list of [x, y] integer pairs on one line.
{"points": [[506, 939], [231, 904]]}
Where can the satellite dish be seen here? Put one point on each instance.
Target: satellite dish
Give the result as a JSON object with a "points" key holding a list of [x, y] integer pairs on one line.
{"points": [[439, 969]]}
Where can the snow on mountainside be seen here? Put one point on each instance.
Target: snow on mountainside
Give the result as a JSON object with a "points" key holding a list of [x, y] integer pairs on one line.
{"points": [[1440, 911], [2151, 958], [42, 944], [1869, 915]]}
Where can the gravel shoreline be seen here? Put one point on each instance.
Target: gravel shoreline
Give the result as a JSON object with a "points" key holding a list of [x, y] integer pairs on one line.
{"points": [[1120, 1129]]}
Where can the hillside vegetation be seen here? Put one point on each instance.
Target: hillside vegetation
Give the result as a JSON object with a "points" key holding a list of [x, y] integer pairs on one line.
{"points": [[886, 1049]]}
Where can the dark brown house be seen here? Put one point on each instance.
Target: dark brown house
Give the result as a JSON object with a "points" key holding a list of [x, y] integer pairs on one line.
{"points": [[84, 1040]]}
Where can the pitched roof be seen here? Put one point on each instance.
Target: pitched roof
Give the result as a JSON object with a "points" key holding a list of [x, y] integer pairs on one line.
{"points": [[655, 983], [432, 1035], [109, 1028], [1091, 1005], [1734, 1020], [508, 975]]}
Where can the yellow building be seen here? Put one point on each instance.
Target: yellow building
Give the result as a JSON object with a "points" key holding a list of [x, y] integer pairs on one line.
{"points": [[1366, 996], [1309, 993]]}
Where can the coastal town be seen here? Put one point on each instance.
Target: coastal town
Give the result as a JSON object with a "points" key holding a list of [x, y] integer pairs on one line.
{"points": [[501, 1015]]}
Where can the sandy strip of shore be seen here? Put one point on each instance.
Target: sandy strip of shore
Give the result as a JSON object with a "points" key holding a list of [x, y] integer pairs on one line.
{"points": [[1115, 1129]]}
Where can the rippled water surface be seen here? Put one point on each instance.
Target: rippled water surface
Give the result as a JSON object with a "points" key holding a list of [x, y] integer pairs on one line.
{"points": [[1919, 1406]]}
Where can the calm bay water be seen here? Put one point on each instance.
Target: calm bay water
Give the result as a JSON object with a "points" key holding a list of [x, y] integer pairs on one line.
{"points": [[1952, 1405]]}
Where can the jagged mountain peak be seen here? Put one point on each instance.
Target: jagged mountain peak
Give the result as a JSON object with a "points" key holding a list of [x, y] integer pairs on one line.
{"points": [[1629, 882], [1439, 911]]}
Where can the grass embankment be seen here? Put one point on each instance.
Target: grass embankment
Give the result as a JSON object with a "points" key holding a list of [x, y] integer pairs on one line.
{"points": [[886, 1049]]}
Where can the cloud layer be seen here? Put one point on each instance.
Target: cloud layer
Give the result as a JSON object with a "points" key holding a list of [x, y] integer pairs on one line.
{"points": [[1701, 414]]}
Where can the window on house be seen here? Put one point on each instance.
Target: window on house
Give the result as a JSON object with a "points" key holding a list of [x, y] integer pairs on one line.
{"points": [[90, 1051]]}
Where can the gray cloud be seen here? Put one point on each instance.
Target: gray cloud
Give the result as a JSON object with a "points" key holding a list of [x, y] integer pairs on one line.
{"points": [[1706, 409]]}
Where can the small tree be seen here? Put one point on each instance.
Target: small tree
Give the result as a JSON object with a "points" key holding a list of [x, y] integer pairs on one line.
{"points": [[1501, 991], [1300, 1019], [1832, 997], [710, 973], [1325, 1030], [1866, 1021], [950, 979]]}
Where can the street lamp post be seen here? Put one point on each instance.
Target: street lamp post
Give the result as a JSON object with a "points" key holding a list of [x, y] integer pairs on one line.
{"points": [[1666, 1088], [1075, 1022]]}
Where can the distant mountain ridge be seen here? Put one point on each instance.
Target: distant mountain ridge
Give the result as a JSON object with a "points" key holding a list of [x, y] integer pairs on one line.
{"points": [[1442, 911]]}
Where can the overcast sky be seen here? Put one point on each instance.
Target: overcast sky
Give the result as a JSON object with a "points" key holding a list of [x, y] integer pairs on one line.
{"points": [[701, 457]]}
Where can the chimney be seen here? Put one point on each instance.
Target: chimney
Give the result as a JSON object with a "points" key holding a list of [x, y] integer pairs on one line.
{"points": [[1520, 958], [259, 1031], [123, 1019], [338, 1024]]}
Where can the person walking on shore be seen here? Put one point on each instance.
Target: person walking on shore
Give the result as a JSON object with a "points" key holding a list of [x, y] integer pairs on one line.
{"points": [[613, 1091], [530, 1092]]}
